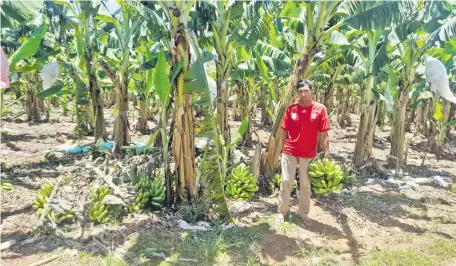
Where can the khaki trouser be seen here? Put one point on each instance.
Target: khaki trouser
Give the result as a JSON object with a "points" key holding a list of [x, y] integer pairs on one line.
{"points": [[289, 164]]}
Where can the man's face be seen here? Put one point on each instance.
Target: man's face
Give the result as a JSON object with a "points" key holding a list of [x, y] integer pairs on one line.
{"points": [[305, 93]]}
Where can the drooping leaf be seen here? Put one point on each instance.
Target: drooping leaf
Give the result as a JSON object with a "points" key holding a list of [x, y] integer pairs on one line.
{"points": [[177, 69], [13, 13], [373, 15], [207, 56], [289, 10], [151, 140], [108, 19], [37, 63], [196, 77], [265, 49], [451, 123], [149, 80], [80, 43], [66, 4], [50, 91], [242, 54], [274, 39], [161, 78], [237, 136], [81, 93], [244, 126], [445, 31], [29, 48], [276, 66], [261, 66]]}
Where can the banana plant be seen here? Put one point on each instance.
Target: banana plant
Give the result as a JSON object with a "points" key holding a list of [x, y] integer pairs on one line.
{"points": [[442, 115], [232, 25], [123, 29], [80, 17], [409, 42], [185, 80], [25, 62], [370, 46], [183, 145]]}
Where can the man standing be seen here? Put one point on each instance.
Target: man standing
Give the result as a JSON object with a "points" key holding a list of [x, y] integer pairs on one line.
{"points": [[305, 123]]}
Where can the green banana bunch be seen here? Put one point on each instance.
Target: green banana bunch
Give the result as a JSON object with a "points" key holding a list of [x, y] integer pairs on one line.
{"points": [[157, 194], [43, 196], [277, 180], [149, 191], [242, 183], [6, 184], [275, 183], [142, 187], [99, 212], [325, 176], [42, 199], [56, 217], [100, 193]]}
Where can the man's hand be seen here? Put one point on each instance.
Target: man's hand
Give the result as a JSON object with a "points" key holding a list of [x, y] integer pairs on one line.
{"points": [[324, 142], [327, 155]]}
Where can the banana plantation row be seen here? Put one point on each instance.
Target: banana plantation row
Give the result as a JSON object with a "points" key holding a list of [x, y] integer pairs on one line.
{"points": [[175, 59]]}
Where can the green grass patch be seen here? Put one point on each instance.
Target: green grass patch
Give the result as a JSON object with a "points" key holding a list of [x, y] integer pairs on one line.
{"points": [[438, 254], [318, 256], [240, 244], [86, 258]]}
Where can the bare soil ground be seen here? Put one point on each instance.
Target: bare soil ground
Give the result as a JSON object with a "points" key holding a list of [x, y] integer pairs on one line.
{"points": [[371, 224]]}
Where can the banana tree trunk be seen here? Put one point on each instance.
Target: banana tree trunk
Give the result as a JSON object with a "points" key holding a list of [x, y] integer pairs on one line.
{"points": [[451, 117], [48, 109], [141, 125], [270, 157], [236, 103], [411, 114], [110, 98], [97, 101], [425, 129], [344, 118], [32, 103], [366, 116], [183, 146], [419, 117], [398, 126], [245, 108], [328, 99], [381, 114], [122, 134], [265, 119], [373, 116], [82, 120], [222, 100]]}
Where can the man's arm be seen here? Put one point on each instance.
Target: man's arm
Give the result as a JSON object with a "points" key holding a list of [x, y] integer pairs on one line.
{"points": [[324, 142], [285, 136]]}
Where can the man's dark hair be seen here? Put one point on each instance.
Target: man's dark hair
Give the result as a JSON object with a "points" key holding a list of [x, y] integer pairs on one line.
{"points": [[303, 83]]}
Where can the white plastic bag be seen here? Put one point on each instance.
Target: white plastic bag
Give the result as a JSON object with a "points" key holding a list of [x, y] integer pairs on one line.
{"points": [[437, 77], [439, 181], [49, 74]]}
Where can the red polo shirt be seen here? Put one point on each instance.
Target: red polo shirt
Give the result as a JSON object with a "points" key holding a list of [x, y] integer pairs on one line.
{"points": [[303, 125]]}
